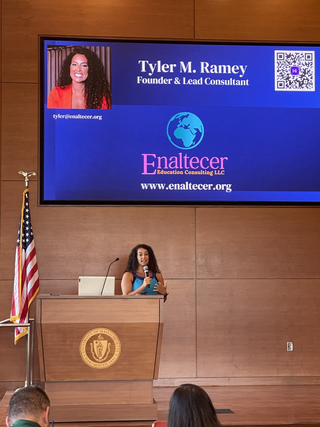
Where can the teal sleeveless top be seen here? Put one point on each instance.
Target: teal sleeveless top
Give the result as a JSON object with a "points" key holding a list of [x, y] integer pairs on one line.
{"points": [[138, 280]]}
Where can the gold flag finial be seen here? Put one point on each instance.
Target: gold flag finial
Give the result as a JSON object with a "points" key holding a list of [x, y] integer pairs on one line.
{"points": [[26, 176]]}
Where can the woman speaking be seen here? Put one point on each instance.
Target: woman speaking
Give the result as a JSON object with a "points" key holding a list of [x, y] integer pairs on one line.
{"points": [[82, 83], [142, 275]]}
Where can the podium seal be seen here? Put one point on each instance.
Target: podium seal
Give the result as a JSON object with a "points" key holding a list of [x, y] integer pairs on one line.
{"points": [[100, 348]]}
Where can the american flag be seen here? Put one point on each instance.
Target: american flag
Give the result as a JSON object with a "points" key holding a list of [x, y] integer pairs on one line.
{"points": [[26, 277]]}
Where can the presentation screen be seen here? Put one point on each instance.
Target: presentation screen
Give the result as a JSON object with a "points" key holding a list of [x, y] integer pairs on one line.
{"points": [[145, 122]]}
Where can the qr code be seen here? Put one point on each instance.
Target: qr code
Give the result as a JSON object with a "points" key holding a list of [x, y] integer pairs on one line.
{"points": [[294, 70]]}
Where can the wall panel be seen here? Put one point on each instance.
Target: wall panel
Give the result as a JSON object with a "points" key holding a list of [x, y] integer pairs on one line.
{"points": [[5, 300], [24, 20], [243, 327], [178, 354], [12, 357], [285, 20], [260, 242], [19, 130], [82, 241]]}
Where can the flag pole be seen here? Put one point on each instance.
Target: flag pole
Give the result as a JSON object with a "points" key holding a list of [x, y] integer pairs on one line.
{"points": [[29, 342]]}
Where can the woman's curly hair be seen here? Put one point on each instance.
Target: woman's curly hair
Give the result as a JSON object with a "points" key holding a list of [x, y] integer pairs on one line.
{"points": [[133, 264], [96, 85]]}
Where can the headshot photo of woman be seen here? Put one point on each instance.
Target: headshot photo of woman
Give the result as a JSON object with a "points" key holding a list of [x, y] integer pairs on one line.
{"points": [[82, 81]]}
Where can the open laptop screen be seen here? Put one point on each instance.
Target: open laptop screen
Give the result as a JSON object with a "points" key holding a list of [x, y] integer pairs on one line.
{"points": [[92, 285]]}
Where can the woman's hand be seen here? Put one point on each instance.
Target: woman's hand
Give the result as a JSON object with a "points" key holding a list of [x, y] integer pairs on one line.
{"points": [[146, 282], [161, 288]]}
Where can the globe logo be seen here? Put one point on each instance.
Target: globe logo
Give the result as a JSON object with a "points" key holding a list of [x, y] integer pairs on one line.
{"points": [[185, 130]]}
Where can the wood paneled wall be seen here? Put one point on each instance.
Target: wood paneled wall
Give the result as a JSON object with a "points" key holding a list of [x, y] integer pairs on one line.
{"points": [[243, 280]]}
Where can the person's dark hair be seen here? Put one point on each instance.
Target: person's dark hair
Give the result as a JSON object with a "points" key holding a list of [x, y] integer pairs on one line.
{"points": [[133, 264], [190, 406], [96, 85], [27, 402]]}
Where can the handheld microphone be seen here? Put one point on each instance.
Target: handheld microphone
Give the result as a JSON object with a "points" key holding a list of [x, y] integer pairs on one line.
{"points": [[146, 273], [105, 279]]}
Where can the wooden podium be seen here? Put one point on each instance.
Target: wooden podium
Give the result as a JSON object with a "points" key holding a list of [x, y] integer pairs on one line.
{"points": [[98, 356]]}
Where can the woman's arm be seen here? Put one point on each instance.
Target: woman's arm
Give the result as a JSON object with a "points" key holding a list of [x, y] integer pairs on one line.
{"points": [[126, 284], [53, 99]]}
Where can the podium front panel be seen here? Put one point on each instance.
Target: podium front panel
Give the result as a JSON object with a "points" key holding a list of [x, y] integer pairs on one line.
{"points": [[99, 338]]}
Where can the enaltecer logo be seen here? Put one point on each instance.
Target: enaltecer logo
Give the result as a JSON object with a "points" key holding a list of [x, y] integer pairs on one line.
{"points": [[185, 130]]}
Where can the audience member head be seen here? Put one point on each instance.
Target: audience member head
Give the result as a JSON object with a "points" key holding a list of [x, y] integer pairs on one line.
{"points": [[190, 406], [29, 403]]}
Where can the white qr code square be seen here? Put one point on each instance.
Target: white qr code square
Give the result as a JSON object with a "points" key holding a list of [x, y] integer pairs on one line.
{"points": [[294, 70]]}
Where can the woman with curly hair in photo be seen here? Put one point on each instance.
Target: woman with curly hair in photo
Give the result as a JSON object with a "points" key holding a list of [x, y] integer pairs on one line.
{"points": [[82, 83], [142, 275]]}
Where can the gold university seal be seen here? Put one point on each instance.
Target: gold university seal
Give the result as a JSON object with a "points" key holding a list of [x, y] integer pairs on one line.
{"points": [[100, 348]]}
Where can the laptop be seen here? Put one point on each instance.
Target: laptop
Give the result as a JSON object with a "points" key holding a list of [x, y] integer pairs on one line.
{"points": [[92, 285]]}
